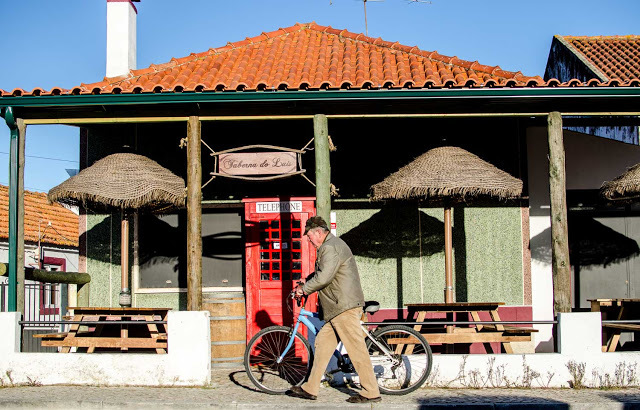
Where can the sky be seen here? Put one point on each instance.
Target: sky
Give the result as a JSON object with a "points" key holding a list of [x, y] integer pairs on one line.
{"points": [[53, 43]]}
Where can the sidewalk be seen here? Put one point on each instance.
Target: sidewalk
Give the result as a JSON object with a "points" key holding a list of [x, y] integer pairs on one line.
{"points": [[231, 389]]}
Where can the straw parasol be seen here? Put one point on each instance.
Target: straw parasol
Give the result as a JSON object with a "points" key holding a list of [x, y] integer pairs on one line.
{"points": [[447, 175], [625, 187], [126, 181]]}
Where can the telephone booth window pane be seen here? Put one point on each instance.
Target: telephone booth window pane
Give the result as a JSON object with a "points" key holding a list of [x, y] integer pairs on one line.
{"points": [[275, 276], [275, 224], [295, 234], [296, 275], [264, 276], [296, 265], [296, 245], [275, 255], [296, 255], [264, 266], [295, 224], [264, 245], [275, 266], [264, 255], [275, 234]]}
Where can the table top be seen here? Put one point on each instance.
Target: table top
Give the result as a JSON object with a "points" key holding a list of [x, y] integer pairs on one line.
{"points": [[454, 306], [116, 310], [614, 300]]}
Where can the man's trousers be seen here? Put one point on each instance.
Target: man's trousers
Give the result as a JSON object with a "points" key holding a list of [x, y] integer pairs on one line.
{"points": [[345, 328]]}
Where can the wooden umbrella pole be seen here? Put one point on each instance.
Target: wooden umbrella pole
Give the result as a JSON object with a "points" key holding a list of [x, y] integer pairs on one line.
{"points": [[448, 251], [125, 293]]}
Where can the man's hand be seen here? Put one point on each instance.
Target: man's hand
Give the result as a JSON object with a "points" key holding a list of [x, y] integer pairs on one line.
{"points": [[299, 291]]}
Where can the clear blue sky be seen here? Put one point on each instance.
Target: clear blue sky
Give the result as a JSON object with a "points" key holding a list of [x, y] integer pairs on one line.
{"points": [[47, 43]]}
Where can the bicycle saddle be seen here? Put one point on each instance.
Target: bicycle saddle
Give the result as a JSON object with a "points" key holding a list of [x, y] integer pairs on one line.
{"points": [[371, 306]]}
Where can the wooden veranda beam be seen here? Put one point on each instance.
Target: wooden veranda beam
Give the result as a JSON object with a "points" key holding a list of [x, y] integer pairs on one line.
{"points": [[22, 131], [323, 166], [194, 215], [559, 231]]}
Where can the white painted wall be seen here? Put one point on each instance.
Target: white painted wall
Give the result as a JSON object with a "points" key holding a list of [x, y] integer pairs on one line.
{"points": [[121, 38], [590, 161], [188, 362]]}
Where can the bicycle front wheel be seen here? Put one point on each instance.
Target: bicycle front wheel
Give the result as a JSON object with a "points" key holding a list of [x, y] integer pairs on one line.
{"points": [[407, 366], [261, 359]]}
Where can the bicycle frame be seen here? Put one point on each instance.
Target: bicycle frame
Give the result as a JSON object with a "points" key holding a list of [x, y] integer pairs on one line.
{"points": [[302, 317]]}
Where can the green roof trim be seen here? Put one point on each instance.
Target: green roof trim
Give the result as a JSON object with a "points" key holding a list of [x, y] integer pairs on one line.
{"points": [[286, 96]]}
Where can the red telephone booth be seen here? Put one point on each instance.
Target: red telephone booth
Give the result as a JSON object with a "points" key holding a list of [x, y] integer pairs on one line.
{"points": [[277, 256]]}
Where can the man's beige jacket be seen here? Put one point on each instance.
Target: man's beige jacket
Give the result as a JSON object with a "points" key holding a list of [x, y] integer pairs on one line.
{"points": [[336, 278]]}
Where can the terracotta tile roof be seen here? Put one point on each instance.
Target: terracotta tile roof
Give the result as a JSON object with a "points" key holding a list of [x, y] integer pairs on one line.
{"points": [[311, 57], [615, 57], [38, 213]]}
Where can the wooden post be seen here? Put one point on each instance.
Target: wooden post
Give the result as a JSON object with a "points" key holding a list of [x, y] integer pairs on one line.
{"points": [[194, 215], [323, 166], [559, 232], [22, 130], [448, 255]]}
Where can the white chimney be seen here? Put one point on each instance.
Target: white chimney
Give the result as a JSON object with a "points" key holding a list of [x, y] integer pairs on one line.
{"points": [[121, 37]]}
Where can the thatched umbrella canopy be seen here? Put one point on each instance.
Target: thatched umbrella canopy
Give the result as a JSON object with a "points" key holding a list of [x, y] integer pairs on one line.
{"points": [[126, 181], [625, 187], [447, 174]]}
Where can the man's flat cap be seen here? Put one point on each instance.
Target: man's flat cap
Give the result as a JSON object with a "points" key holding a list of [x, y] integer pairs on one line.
{"points": [[315, 222]]}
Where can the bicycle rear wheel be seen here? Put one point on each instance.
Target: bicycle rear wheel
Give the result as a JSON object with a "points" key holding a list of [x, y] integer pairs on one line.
{"points": [[410, 364], [263, 350]]}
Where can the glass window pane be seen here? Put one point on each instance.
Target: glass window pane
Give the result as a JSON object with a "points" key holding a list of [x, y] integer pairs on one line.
{"points": [[264, 276], [275, 224], [295, 275], [275, 266], [275, 234], [296, 245], [264, 255], [264, 265], [275, 255], [264, 245], [296, 255], [295, 224], [295, 234], [296, 265]]}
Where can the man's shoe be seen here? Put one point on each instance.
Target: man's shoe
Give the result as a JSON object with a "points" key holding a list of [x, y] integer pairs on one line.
{"points": [[361, 399], [297, 391]]}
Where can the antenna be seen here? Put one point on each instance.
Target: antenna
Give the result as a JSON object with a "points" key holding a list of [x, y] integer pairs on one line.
{"points": [[364, 3]]}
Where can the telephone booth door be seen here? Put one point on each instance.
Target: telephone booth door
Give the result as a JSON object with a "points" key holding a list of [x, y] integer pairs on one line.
{"points": [[277, 257]]}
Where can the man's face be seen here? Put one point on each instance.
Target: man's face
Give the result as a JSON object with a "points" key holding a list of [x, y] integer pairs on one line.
{"points": [[316, 237]]}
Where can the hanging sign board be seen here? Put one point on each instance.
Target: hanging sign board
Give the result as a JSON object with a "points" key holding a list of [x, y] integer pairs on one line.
{"points": [[258, 163]]}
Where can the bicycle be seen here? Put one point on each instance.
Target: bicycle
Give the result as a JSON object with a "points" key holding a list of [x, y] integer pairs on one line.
{"points": [[278, 357]]}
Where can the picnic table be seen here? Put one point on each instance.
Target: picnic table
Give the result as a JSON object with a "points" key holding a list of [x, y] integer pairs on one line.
{"points": [[92, 328], [466, 334], [616, 309]]}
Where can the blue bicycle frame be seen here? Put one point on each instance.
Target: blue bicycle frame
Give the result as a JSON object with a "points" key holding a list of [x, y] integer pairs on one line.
{"points": [[302, 317]]}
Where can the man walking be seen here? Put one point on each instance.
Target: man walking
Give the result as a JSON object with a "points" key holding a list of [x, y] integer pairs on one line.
{"points": [[337, 282]]}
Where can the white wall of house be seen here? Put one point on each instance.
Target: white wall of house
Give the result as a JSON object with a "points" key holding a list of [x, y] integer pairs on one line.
{"points": [[590, 161]]}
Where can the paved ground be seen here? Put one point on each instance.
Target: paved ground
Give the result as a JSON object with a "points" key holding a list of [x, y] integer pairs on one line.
{"points": [[232, 389]]}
